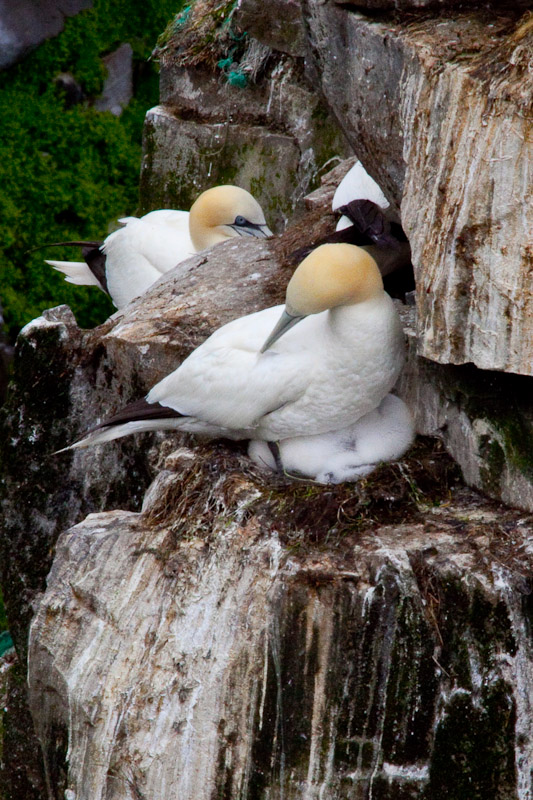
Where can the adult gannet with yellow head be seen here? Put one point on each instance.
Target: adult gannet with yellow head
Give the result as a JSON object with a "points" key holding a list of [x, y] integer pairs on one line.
{"points": [[316, 365], [135, 256]]}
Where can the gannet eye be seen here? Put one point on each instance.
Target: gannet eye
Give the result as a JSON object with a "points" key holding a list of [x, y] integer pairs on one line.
{"points": [[241, 221]]}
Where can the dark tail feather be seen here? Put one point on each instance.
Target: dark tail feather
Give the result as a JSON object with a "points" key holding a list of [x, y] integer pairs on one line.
{"points": [[370, 220], [64, 244], [92, 255], [139, 411], [96, 261], [135, 418]]}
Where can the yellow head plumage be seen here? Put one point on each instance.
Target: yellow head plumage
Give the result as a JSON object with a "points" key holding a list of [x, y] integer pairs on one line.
{"points": [[330, 276], [223, 212]]}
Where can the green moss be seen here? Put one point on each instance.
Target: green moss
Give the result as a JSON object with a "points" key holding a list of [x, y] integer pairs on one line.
{"points": [[488, 622], [411, 688], [517, 434], [68, 173], [501, 400], [493, 464]]}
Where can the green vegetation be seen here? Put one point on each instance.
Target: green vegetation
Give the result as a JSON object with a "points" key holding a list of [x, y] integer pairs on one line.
{"points": [[68, 173]]}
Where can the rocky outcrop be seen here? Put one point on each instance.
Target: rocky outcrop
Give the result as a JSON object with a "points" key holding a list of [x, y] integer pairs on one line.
{"points": [[27, 23], [484, 419], [232, 112], [227, 633], [440, 115], [257, 639]]}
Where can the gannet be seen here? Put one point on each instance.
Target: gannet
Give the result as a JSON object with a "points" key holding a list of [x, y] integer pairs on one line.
{"points": [[368, 221], [357, 185], [335, 352], [133, 257], [348, 454]]}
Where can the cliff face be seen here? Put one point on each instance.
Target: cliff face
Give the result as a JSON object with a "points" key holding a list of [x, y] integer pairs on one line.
{"points": [[243, 653], [226, 633], [440, 113]]}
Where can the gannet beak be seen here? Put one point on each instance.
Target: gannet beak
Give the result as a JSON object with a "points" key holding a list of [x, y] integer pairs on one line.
{"points": [[286, 321], [251, 229]]}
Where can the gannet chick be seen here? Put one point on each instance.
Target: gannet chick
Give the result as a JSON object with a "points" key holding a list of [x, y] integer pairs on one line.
{"points": [[335, 352], [383, 434], [133, 257]]}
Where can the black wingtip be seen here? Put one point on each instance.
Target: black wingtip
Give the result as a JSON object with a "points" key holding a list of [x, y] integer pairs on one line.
{"points": [[63, 244], [138, 411]]}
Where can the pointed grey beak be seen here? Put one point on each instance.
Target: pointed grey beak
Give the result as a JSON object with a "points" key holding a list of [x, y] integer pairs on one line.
{"points": [[251, 229], [286, 321]]}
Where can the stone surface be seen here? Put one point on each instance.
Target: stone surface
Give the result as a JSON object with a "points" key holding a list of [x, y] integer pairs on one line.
{"points": [[118, 85], [278, 24], [274, 137], [448, 6], [27, 23], [196, 654], [485, 420], [440, 115], [21, 773], [182, 158]]}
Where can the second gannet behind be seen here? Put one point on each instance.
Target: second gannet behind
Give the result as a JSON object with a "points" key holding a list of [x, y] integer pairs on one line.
{"points": [[147, 247], [356, 185], [335, 352]]}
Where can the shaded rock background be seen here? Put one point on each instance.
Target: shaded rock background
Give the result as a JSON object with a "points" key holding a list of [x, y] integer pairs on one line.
{"points": [[118, 86], [368, 641], [27, 23], [6, 356]]}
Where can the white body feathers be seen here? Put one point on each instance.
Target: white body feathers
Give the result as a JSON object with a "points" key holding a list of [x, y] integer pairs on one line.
{"points": [[383, 434], [143, 250], [357, 185], [136, 255], [323, 374]]}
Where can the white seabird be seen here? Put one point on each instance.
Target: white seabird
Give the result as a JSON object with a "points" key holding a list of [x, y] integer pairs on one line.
{"points": [[133, 257], [334, 354], [357, 184], [348, 454], [367, 215]]}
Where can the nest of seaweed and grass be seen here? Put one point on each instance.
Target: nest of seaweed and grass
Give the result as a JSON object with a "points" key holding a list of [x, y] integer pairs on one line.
{"points": [[205, 32], [215, 488], [216, 485]]}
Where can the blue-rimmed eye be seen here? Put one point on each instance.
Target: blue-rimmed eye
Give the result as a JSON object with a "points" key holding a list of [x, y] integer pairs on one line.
{"points": [[240, 221]]}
